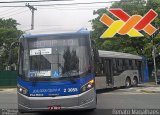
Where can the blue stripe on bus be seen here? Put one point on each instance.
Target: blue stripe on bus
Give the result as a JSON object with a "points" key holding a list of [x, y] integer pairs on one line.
{"points": [[52, 88]]}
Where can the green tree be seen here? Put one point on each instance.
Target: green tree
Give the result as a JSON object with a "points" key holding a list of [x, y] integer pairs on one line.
{"points": [[142, 45], [8, 34]]}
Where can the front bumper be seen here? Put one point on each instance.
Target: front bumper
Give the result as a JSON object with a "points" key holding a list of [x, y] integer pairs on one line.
{"points": [[86, 100]]}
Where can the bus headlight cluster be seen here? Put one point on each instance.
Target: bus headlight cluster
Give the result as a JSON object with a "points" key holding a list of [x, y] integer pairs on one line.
{"points": [[88, 86], [22, 90]]}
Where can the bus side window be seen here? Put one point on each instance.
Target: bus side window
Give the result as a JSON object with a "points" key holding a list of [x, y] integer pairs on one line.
{"points": [[103, 68], [100, 67], [134, 64], [114, 66], [117, 64], [120, 65], [123, 63], [130, 64], [126, 63]]}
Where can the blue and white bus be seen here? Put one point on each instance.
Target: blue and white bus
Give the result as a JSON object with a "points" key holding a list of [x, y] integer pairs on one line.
{"points": [[56, 72]]}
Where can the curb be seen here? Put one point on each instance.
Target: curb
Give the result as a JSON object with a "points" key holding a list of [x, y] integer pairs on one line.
{"points": [[149, 91], [146, 85]]}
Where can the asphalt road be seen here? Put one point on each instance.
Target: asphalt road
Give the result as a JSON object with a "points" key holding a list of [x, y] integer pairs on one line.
{"points": [[108, 100]]}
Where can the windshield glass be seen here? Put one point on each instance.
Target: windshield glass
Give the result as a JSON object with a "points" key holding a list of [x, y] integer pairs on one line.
{"points": [[54, 58]]}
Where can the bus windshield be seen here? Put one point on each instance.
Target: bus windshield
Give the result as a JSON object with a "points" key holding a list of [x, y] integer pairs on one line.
{"points": [[49, 59]]}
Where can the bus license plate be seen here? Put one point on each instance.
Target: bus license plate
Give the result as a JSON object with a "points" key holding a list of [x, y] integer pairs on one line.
{"points": [[54, 107]]}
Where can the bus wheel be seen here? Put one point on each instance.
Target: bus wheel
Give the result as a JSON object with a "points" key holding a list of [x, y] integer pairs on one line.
{"points": [[128, 83], [135, 81]]}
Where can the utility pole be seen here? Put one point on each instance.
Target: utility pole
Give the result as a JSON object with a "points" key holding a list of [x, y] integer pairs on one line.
{"points": [[154, 53], [154, 62], [32, 11]]}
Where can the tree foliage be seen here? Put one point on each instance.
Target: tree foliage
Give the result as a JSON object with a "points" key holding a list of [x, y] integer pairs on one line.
{"points": [[140, 46], [8, 34]]}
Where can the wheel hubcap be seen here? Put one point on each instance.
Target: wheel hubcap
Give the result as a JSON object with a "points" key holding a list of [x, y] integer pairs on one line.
{"points": [[134, 82], [127, 83]]}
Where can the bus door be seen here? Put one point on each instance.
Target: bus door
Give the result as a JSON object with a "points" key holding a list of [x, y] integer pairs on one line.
{"points": [[108, 72]]}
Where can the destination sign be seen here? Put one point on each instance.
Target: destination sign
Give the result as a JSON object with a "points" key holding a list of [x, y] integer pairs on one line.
{"points": [[52, 43]]}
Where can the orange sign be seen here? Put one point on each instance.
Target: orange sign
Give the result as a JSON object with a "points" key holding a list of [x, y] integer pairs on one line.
{"points": [[128, 25]]}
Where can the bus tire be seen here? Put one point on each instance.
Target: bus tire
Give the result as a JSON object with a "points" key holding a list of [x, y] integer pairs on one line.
{"points": [[128, 82], [135, 81]]}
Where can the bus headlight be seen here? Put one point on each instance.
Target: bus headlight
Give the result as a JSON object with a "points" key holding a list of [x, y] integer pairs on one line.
{"points": [[22, 90], [87, 86]]}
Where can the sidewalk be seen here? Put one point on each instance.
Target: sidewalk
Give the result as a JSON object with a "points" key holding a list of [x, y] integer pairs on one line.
{"points": [[8, 90], [149, 87]]}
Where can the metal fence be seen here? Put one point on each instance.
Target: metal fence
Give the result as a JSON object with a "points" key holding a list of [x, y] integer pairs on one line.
{"points": [[8, 78]]}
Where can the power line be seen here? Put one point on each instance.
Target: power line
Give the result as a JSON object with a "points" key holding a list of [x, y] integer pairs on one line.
{"points": [[12, 6], [75, 3], [33, 1], [6, 10], [15, 13], [93, 8], [61, 4], [74, 8]]}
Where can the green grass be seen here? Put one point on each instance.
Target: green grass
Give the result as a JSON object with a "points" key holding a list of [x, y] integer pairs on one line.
{"points": [[151, 83]]}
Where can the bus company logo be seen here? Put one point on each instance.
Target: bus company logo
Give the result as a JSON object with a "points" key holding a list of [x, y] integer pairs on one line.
{"points": [[128, 25]]}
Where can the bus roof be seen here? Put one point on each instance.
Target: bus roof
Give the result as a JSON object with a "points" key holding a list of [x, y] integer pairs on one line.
{"points": [[113, 54], [41, 33]]}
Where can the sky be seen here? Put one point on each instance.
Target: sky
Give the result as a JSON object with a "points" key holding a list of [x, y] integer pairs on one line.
{"points": [[57, 17]]}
